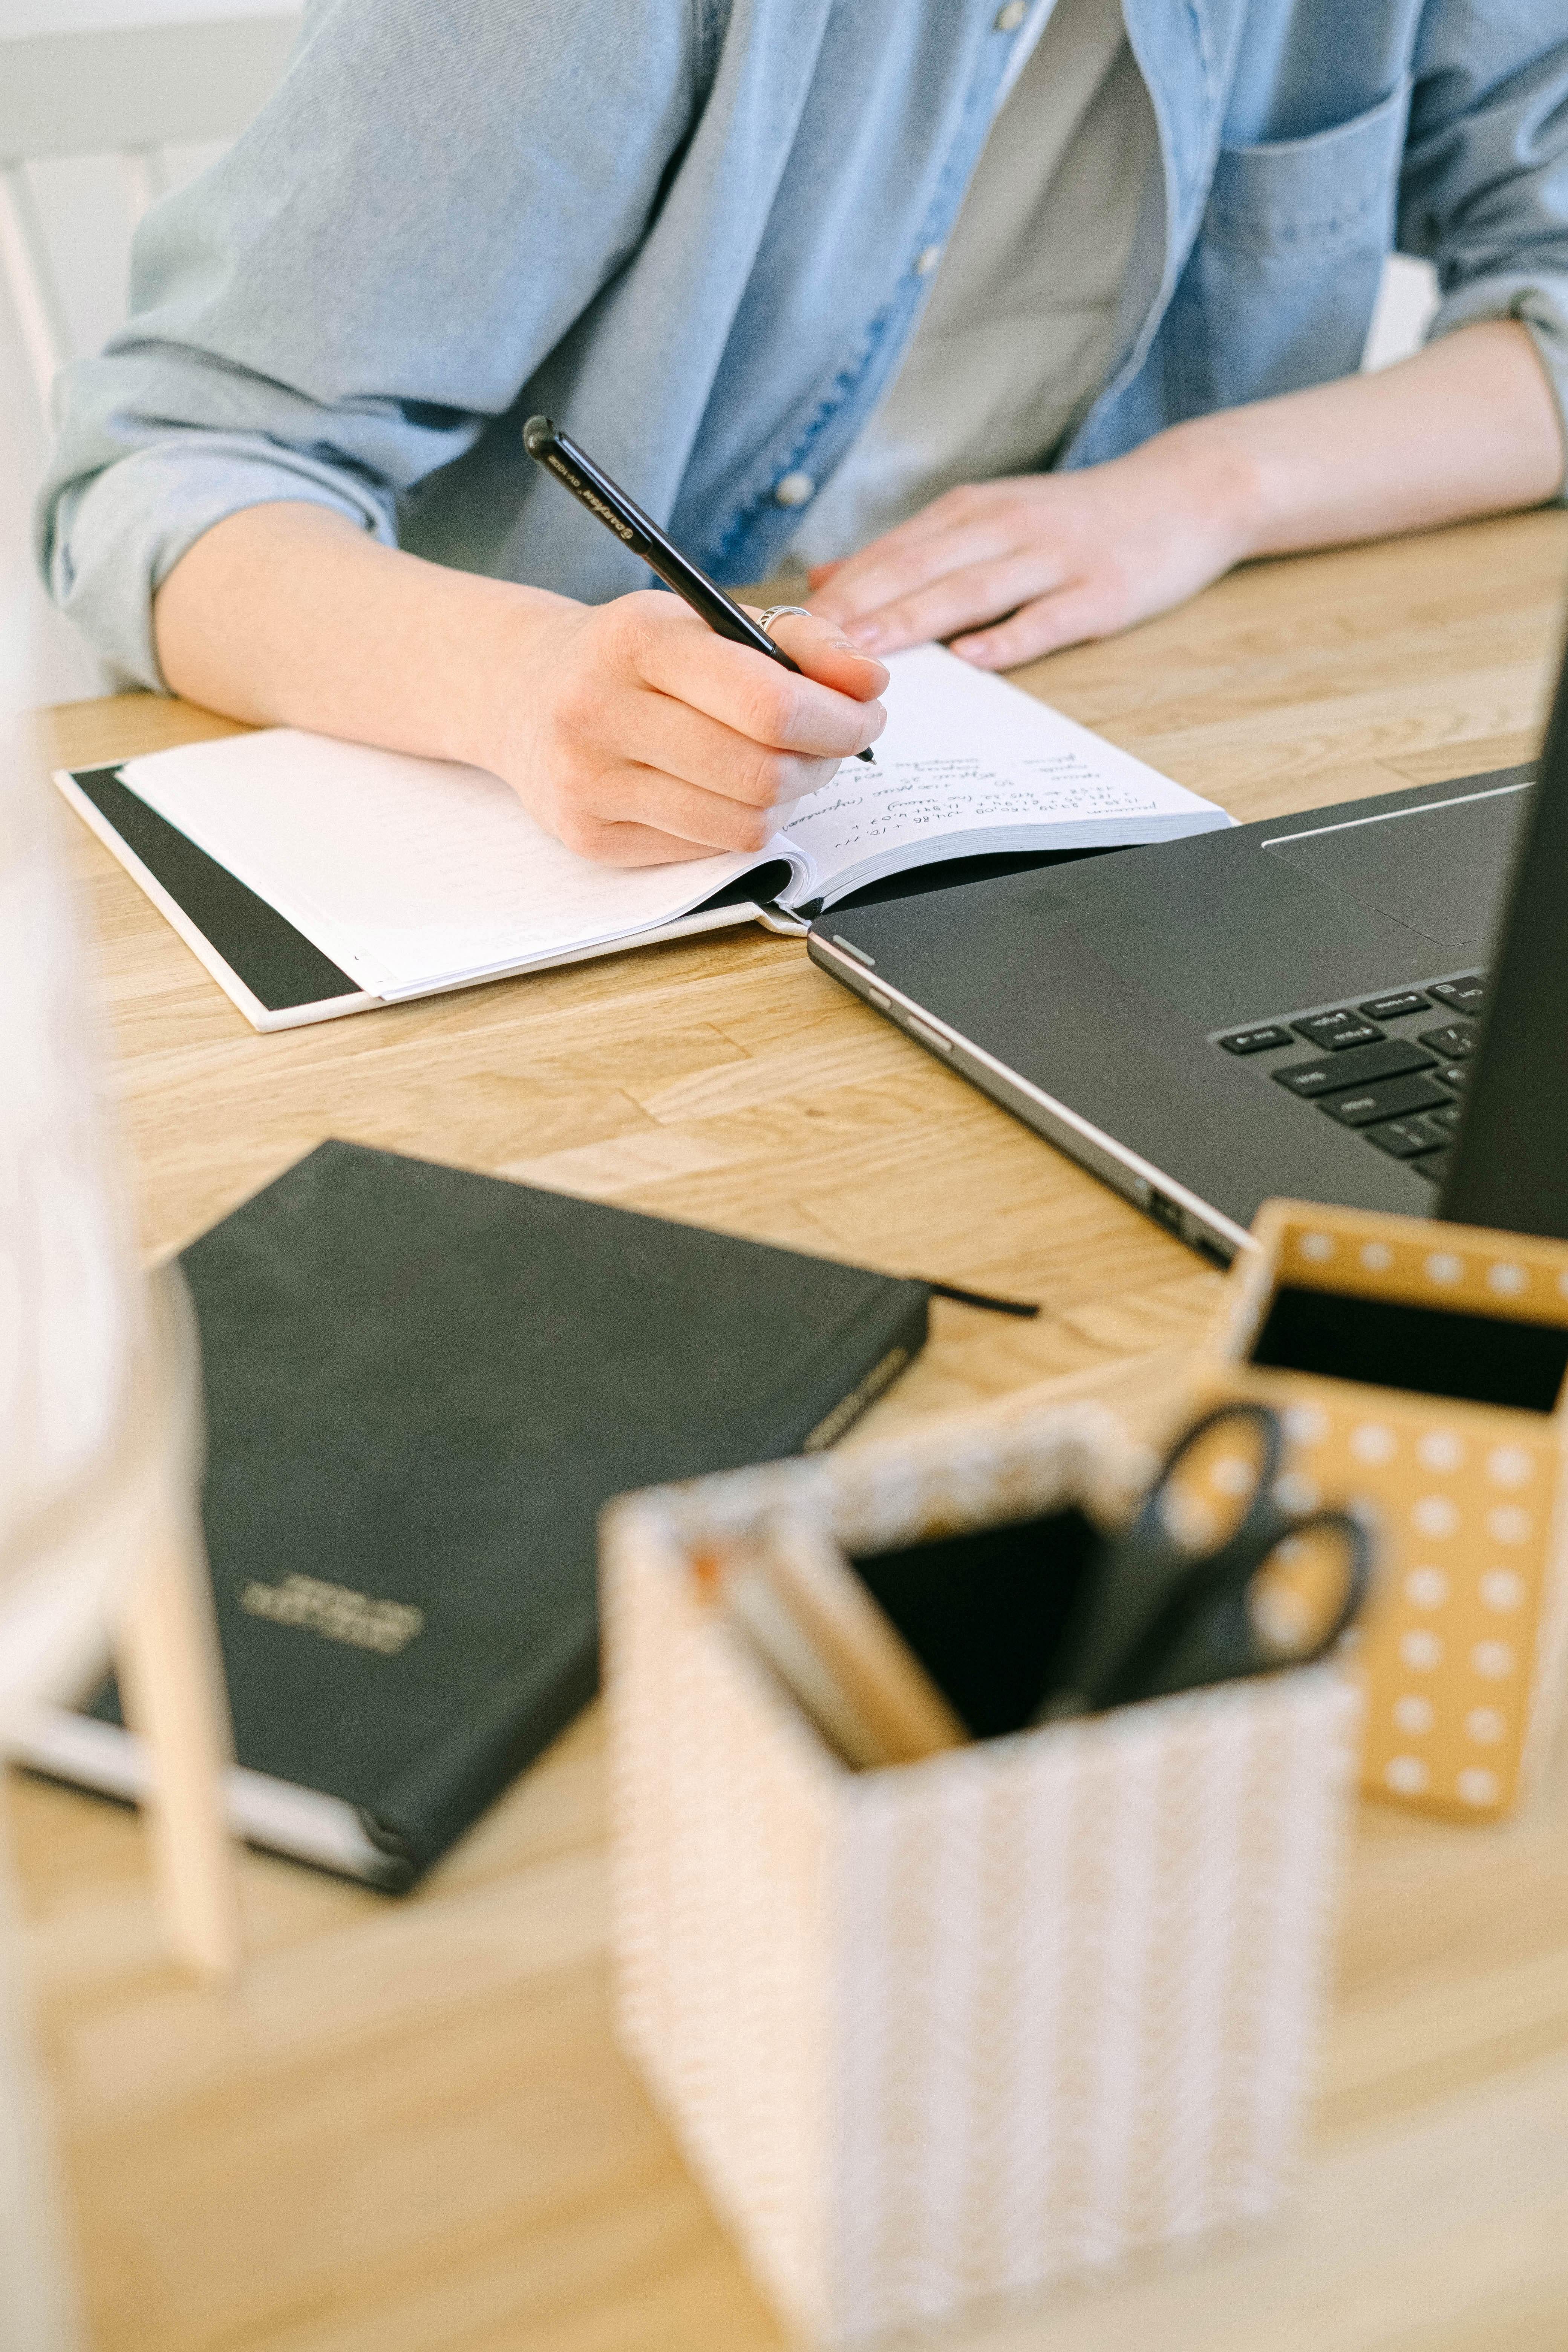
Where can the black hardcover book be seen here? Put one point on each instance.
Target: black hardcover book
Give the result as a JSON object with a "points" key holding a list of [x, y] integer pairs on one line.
{"points": [[422, 1385]]}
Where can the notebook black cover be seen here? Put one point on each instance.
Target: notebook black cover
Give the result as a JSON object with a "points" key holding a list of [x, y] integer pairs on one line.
{"points": [[422, 1385], [279, 966]]}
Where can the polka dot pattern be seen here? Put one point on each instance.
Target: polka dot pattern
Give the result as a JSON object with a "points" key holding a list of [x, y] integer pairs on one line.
{"points": [[1472, 1591]]}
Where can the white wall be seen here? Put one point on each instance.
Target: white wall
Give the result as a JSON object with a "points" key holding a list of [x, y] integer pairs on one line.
{"points": [[1405, 301], [24, 16], [85, 209]]}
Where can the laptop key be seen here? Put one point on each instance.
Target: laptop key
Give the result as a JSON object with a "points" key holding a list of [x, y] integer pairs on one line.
{"points": [[1454, 1043], [1434, 1167], [1447, 1119], [1257, 1041], [1453, 1074], [1407, 1139], [1395, 1008], [1390, 1099], [1338, 1031], [1466, 995], [1360, 1064]]}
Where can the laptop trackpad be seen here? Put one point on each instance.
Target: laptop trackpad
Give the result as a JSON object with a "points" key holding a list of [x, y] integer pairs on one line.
{"points": [[1439, 870]]}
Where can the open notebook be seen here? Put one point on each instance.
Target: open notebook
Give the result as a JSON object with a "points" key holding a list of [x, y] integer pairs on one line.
{"points": [[315, 877]]}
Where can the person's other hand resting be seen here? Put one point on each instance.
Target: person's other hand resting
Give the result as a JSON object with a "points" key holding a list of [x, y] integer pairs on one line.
{"points": [[1007, 571]]}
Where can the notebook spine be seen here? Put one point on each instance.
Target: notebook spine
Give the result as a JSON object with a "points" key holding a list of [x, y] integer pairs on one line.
{"points": [[863, 1358]]}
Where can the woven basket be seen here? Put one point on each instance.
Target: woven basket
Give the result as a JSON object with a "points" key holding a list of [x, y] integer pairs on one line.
{"points": [[960, 2028]]}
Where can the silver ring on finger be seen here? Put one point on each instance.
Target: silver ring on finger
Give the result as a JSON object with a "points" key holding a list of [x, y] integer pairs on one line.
{"points": [[776, 612]]}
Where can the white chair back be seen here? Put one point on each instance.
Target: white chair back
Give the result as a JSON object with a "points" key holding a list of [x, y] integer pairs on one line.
{"points": [[134, 92]]}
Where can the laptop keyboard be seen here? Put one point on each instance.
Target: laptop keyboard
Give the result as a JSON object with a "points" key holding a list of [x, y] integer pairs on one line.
{"points": [[1392, 1067]]}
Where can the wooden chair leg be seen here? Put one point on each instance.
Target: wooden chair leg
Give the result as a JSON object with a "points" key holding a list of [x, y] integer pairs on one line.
{"points": [[37, 2305], [171, 1680]]}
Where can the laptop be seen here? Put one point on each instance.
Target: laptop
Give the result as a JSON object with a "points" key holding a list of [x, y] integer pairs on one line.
{"points": [[1365, 1005]]}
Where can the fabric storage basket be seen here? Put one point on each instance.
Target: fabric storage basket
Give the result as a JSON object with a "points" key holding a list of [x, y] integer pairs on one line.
{"points": [[958, 2028]]}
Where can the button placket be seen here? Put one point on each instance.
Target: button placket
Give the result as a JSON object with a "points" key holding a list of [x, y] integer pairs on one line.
{"points": [[796, 487]]}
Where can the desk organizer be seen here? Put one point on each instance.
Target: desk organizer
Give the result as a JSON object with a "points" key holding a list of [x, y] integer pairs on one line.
{"points": [[1461, 1648], [958, 2028]]}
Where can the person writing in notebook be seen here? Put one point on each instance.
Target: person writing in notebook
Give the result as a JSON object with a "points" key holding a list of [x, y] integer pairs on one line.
{"points": [[1017, 323]]}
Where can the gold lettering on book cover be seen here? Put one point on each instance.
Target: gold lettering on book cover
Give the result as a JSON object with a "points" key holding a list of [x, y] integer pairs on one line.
{"points": [[336, 1613]]}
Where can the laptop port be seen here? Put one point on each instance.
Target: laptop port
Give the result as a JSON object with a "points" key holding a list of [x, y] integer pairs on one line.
{"points": [[1165, 1211]]}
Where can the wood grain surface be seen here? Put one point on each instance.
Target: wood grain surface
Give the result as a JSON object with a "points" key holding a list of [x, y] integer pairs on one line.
{"points": [[407, 2129]]}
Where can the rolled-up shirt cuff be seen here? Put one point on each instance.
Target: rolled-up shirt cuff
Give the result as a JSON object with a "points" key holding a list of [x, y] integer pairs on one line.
{"points": [[107, 542], [1538, 301]]}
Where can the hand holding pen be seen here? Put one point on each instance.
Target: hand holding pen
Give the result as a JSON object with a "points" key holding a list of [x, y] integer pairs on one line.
{"points": [[662, 735]]}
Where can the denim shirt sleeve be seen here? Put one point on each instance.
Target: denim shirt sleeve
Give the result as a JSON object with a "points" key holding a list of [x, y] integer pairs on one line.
{"points": [[433, 196], [1484, 190]]}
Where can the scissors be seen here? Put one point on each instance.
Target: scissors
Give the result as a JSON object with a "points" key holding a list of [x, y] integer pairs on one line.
{"points": [[1163, 1611]]}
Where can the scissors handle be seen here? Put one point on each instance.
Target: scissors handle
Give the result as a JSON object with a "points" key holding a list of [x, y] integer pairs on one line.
{"points": [[1153, 1525], [1161, 1614], [1203, 1630]]}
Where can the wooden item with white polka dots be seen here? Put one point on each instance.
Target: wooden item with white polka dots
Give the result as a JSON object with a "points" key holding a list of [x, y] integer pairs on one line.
{"points": [[1460, 1651]]}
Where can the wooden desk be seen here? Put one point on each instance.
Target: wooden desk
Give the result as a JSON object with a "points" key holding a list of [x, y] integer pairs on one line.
{"points": [[408, 2130]]}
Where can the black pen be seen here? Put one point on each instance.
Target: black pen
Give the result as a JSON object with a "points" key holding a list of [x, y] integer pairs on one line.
{"points": [[606, 500]]}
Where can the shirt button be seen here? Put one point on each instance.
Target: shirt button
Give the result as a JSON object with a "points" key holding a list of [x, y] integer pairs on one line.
{"points": [[926, 259], [794, 489], [1009, 19]]}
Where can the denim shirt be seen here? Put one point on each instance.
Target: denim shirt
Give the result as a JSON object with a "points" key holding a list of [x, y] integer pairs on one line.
{"points": [[693, 230]]}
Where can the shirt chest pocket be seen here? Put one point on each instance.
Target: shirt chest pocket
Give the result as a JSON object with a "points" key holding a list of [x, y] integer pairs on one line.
{"points": [[1315, 196], [1279, 287]]}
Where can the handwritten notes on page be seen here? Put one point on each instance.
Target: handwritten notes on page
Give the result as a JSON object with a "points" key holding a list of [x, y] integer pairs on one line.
{"points": [[968, 764]]}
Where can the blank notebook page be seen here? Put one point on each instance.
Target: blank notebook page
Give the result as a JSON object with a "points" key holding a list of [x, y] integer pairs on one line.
{"points": [[407, 872]]}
